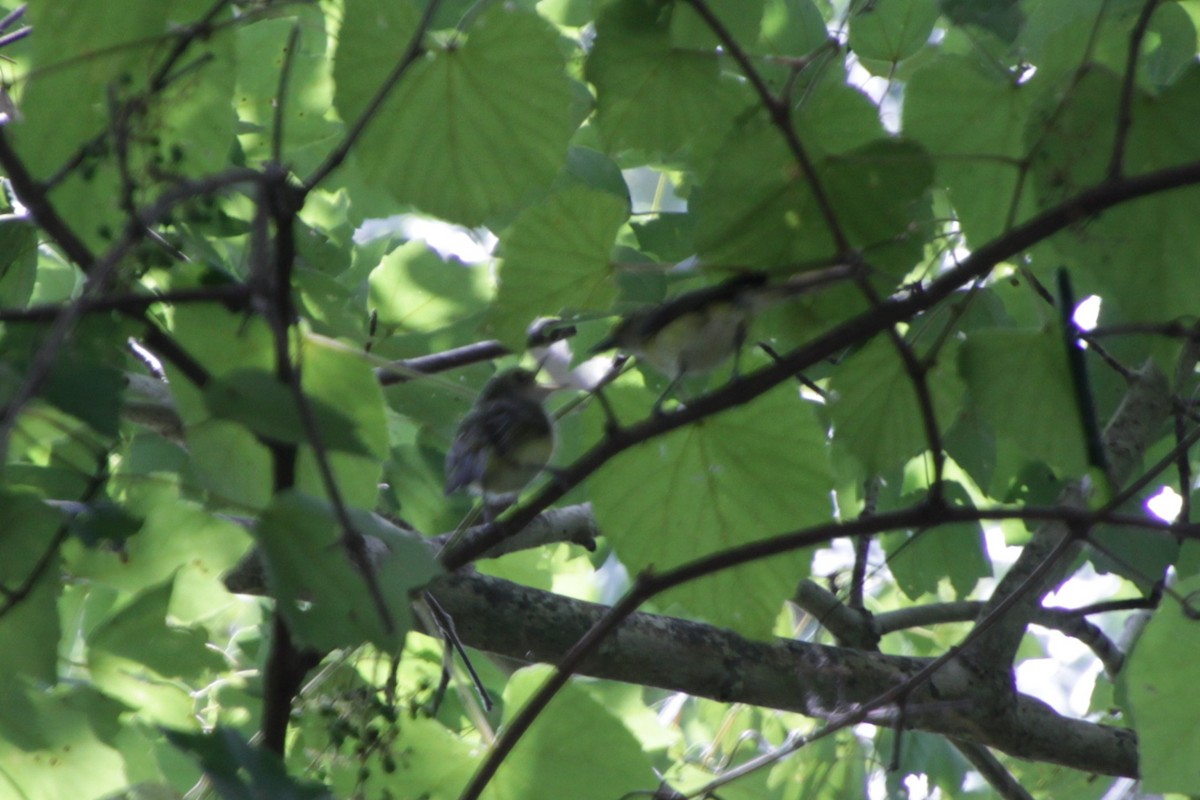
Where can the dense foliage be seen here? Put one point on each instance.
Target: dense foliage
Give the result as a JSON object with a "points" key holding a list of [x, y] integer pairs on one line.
{"points": [[257, 258]]}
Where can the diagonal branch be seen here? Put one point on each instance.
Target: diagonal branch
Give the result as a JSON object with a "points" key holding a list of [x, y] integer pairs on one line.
{"points": [[859, 329], [1116, 165], [412, 52], [701, 660], [233, 295], [1133, 427], [936, 679]]}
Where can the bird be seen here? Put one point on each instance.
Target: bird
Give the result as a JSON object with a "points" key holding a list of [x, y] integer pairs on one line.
{"points": [[504, 441], [697, 331], [690, 334]]}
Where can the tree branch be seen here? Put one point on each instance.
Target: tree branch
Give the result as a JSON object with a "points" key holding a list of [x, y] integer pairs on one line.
{"points": [[1116, 164], [781, 116], [1130, 431], [856, 330], [412, 52], [816, 680]]}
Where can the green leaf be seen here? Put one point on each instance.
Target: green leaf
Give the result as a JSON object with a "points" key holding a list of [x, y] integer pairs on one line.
{"points": [[1111, 254], [1158, 689], [741, 18], [649, 95], [879, 193], [75, 757], [595, 170], [556, 757], [972, 122], [892, 30], [86, 390], [469, 132], [875, 410], [756, 205], [1020, 384], [745, 475], [341, 378], [239, 771], [136, 657], [1138, 555], [424, 754], [414, 290], [29, 631], [307, 132], [667, 237], [322, 595], [140, 633], [1170, 46], [159, 553], [792, 27], [920, 559], [18, 262], [556, 258], [82, 53], [226, 458], [1001, 17], [196, 130], [255, 399], [104, 523]]}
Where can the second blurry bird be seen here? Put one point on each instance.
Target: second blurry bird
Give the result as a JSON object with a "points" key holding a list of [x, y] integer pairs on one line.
{"points": [[692, 333], [696, 331], [504, 441]]}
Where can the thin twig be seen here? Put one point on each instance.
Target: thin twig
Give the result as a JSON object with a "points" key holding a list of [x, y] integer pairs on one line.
{"points": [[993, 770], [14, 597], [476, 353], [1116, 164], [412, 52], [233, 296], [1069, 622], [781, 116], [285, 74], [918, 376], [15, 36], [200, 29], [862, 546]]}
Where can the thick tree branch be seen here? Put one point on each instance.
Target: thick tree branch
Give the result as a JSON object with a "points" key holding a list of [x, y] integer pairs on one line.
{"points": [[815, 680]]}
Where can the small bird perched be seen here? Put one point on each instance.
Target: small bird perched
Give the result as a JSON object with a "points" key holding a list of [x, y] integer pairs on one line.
{"points": [[693, 333], [504, 441]]}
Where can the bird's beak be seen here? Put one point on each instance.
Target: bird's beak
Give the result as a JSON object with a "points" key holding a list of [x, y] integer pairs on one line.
{"points": [[544, 390]]}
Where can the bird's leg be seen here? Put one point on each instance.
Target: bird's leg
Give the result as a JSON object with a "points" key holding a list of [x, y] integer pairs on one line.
{"points": [[443, 623], [558, 476], [739, 341], [494, 507], [662, 398], [611, 424]]}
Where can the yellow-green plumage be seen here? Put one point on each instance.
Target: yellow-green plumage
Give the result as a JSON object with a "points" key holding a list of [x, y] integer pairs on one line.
{"points": [[692, 333], [505, 440]]}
